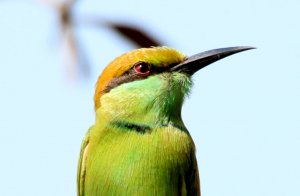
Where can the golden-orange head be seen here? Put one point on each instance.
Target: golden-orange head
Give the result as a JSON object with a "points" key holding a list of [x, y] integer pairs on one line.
{"points": [[155, 56]]}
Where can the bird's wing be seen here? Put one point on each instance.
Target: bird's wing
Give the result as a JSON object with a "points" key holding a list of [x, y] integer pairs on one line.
{"points": [[81, 164], [197, 182], [192, 180]]}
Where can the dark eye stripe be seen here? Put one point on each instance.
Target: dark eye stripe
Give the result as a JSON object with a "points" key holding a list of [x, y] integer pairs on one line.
{"points": [[125, 78], [131, 76]]}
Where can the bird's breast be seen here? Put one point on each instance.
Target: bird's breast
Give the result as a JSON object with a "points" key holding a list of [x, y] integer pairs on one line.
{"points": [[130, 161]]}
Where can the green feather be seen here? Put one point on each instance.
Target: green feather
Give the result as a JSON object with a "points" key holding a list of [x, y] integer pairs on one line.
{"points": [[139, 144]]}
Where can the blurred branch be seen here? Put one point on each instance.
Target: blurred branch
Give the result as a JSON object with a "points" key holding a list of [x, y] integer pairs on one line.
{"points": [[72, 52], [132, 33], [136, 35]]}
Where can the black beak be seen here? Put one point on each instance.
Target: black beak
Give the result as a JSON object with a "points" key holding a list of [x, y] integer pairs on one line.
{"points": [[198, 61]]}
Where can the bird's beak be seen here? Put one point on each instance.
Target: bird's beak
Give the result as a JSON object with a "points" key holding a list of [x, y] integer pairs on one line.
{"points": [[198, 61]]}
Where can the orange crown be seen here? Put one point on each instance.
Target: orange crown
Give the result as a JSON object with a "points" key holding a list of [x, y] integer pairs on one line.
{"points": [[156, 56]]}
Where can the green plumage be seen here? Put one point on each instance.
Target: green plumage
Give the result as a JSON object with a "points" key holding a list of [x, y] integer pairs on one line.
{"points": [[139, 144]]}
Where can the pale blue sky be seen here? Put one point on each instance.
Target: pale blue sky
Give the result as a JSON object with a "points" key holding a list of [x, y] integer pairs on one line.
{"points": [[243, 112]]}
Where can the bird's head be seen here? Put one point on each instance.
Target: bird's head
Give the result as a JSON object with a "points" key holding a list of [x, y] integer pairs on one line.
{"points": [[148, 85]]}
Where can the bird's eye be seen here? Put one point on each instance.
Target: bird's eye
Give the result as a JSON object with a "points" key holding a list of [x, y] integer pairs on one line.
{"points": [[142, 68]]}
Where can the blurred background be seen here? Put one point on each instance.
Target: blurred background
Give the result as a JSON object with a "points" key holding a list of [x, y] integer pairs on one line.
{"points": [[243, 112]]}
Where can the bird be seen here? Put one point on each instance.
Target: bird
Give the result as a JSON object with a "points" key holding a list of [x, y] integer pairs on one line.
{"points": [[139, 144]]}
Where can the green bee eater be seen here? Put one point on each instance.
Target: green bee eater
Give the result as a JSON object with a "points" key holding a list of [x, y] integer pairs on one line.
{"points": [[139, 144]]}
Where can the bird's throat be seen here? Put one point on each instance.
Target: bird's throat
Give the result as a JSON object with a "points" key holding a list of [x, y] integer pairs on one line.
{"points": [[154, 102]]}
